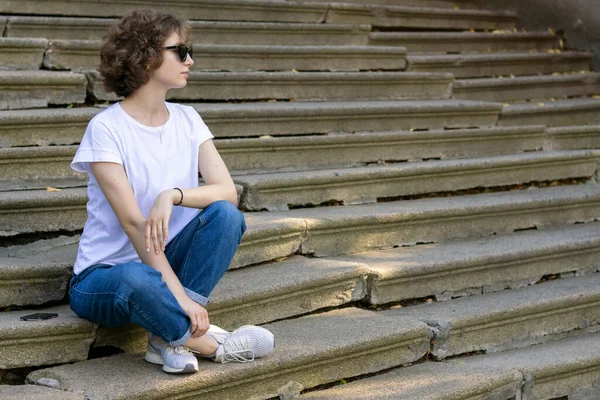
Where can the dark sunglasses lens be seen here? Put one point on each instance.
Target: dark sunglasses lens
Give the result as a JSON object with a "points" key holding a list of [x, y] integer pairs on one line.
{"points": [[183, 52]]}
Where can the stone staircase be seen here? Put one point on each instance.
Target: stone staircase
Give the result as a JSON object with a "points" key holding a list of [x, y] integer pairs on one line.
{"points": [[419, 182]]}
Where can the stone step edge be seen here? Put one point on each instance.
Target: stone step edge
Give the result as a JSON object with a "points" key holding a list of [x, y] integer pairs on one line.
{"points": [[78, 324], [401, 342], [547, 372], [490, 318], [278, 190], [374, 281], [490, 83]]}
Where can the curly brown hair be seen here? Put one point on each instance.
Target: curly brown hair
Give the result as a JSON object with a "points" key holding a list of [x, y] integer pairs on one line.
{"points": [[134, 44]]}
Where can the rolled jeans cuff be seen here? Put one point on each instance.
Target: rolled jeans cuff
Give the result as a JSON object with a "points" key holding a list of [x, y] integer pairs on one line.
{"points": [[198, 298]]}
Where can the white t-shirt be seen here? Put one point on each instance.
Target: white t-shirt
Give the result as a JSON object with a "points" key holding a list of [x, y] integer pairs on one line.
{"points": [[152, 164]]}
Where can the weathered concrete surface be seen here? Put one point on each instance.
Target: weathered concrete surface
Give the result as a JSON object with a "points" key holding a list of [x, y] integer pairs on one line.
{"points": [[46, 86], [44, 127], [500, 64], [42, 211], [456, 4], [38, 272], [21, 53], [419, 17], [576, 20], [210, 32], [573, 137], [280, 34], [527, 87], [353, 229], [25, 26], [309, 152], [307, 352], [295, 286], [511, 319], [72, 54], [64, 339], [453, 269], [292, 118], [228, 10], [345, 86], [317, 86], [464, 42], [33, 163], [567, 367], [279, 190], [85, 55], [552, 113], [267, 239], [35, 392], [31, 282], [429, 381]]}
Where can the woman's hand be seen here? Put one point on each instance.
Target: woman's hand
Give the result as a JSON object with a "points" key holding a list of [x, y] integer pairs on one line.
{"points": [[198, 317], [157, 223]]}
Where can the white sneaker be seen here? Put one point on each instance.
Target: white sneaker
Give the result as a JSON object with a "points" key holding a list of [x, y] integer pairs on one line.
{"points": [[242, 345], [174, 359]]}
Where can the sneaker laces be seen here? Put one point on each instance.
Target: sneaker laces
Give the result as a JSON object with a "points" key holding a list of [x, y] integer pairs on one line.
{"points": [[235, 349], [180, 350]]}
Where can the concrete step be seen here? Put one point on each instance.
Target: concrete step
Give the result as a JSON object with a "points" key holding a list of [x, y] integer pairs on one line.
{"points": [[225, 10], [35, 89], [330, 231], [511, 319], [26, 168], [457, 269], [419, 17], [211, 32], [244, 156], [296, 286], [316, 86], [35, 392], [556, 370], [527, 87], [307, 354], [65, 126], [41, 166], [573, 137], [285, 118], [355, 229], [552, 113], [465, 42], [44, 127], [282, 11], [84, 55], [455, 4], [489, 65], [280, 190], [18, 53]]}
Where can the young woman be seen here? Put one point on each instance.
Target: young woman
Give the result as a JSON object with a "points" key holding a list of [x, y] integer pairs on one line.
{"points": [[147, 255]]}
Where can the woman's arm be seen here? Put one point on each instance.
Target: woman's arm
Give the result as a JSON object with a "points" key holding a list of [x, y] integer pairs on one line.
{"points": [[114, 184], [219, 185]]}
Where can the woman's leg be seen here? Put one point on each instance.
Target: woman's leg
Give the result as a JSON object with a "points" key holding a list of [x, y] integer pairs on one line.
{"points": [[114, 295], [201, 253]]}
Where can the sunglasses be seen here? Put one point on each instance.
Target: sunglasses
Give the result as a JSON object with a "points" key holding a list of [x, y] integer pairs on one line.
{"points": [[182, 51]]}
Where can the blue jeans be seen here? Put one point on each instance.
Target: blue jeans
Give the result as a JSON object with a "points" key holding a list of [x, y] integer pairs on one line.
{"points": [[113, 295]]}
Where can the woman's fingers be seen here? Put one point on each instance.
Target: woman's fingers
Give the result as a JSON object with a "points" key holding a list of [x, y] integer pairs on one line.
{"points": [[165, 237], [148, 237]]}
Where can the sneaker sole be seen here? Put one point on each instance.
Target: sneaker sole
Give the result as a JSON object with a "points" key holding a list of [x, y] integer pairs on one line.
{"points": [[157, 359]]}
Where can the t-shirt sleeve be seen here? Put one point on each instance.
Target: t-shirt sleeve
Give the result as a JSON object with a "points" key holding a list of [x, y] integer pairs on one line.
{"points": [[97, 145], [199, 129]]}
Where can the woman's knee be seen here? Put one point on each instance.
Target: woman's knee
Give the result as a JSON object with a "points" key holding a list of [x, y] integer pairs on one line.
{"points": [[138, 278], [225, 213]]}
